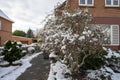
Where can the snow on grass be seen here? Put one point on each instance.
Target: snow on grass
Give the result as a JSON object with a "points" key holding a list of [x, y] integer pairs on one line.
{"points": [[12, 72]]}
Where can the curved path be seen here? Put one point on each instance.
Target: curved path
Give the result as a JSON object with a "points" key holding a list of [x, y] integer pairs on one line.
{"points": [[38, 71]]}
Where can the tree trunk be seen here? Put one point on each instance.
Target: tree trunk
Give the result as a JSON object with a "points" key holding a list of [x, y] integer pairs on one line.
{"points": [[83, 61]]}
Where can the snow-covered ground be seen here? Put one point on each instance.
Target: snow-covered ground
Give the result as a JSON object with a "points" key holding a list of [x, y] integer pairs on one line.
{"points": [[58, 70], [106, 71], [12, 72]]}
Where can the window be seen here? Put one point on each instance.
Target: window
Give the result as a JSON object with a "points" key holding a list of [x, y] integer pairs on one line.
{"points": [[115, 34], [0, 25], [86, 2], [110, 34], [112, 3]]}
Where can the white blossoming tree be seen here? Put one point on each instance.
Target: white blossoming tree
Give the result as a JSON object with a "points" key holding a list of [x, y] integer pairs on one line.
{"points": [[69, 35]]}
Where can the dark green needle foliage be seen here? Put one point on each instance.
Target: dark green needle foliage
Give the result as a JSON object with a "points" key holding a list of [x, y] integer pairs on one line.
{"points": [[12, 52]]}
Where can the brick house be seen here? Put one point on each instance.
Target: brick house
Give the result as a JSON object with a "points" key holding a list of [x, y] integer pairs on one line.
{"points": [[6, 31], [5, 28], [105, 13]]}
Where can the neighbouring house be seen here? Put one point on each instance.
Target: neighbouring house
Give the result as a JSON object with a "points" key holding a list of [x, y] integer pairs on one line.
{"points": [[105, 13], [6, 31], [23, 40], [5, 28]]}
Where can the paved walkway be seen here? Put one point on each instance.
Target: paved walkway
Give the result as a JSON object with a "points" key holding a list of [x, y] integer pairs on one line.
{"points": [[38, 71]]}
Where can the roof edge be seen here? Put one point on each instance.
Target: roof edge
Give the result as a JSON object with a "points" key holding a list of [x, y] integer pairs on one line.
{"points": [[4, 16]]}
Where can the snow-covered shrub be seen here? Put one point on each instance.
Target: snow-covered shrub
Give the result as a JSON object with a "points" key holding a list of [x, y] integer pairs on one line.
{"points": [[12, 52], [31, 49], [113, 60], [37, 48], [58, 70], [53, 57], [19, 43], [101, 74], [110, 71], [24, 52], [70, 35], [1, 48]]}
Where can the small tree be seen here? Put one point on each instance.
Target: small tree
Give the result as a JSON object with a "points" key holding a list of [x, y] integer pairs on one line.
{"points": [[19, 33], [12, 52], [70, 36], [30, 33]]}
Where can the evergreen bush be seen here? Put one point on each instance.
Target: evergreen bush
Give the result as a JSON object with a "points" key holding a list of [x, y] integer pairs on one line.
{"points": [[94, 61], [12, 52]]}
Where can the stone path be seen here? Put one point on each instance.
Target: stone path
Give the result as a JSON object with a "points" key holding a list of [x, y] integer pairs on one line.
{"points": [[38, 71]]}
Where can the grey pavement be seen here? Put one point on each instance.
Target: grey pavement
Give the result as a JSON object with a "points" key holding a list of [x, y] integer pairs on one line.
{"points": [[38, 71]]}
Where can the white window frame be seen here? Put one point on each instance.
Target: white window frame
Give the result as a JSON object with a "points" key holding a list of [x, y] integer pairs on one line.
{"points": [[112, 34], [112, 5], [0, 25], [86, 3]]}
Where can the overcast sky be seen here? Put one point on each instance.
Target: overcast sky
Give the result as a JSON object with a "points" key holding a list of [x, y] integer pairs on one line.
{"points": [[27, 13]]}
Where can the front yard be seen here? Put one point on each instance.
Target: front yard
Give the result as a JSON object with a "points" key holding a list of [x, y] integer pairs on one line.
{"points": [[12, 72], [60, 71]]}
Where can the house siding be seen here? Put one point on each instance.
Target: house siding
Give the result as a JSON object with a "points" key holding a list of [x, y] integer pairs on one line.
{"points": [[6, 31]]}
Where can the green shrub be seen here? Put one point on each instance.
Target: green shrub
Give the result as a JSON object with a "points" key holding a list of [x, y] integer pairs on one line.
{"points": [[93, 61], [12, 52]]}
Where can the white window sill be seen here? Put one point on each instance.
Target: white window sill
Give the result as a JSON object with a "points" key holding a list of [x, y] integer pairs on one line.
{"points": [[86, 5], [112, 5]]}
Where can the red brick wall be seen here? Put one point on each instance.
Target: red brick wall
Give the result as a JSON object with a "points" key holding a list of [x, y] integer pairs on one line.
{"points": [[98, 10], [106, 20], [6, 30]]}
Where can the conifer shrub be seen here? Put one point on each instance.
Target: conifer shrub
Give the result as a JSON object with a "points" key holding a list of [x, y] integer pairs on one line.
{"points": [[12, 52]]}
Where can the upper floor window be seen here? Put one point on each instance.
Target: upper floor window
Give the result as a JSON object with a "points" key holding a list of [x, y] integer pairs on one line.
{"points": [[0, 25], [112, 3], [86, 2]]}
